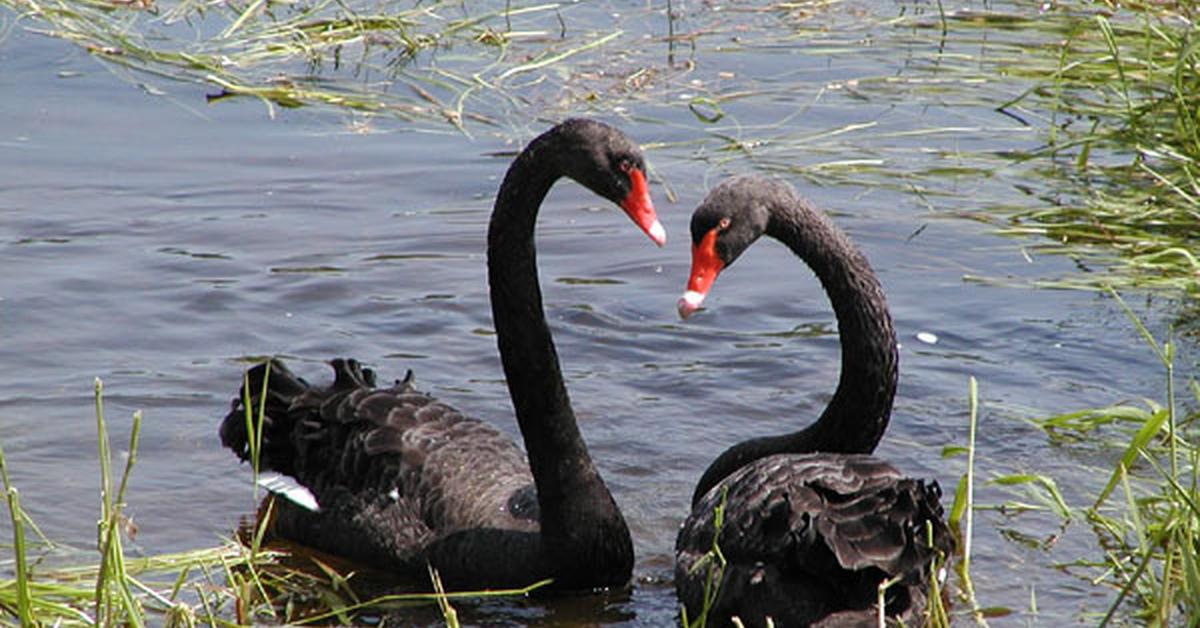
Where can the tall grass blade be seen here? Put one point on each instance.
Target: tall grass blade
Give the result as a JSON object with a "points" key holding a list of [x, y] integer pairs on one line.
{"points": [[1115, 50], [969, 475], [449, 615], [24, 598], [714, 561], [962, 512], [18, 517], [255, 417], [112, 573], [102, 609], [1125, 590], [881, 599]]}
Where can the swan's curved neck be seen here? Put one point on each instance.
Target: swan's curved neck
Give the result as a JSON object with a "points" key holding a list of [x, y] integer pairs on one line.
{"points": [[858, 414], [567, 481]]}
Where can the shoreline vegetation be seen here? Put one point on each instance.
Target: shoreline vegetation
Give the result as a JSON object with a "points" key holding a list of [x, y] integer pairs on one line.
{"points": [[1146, 520], [1123, 137], [1111, 95], [239, 582]]}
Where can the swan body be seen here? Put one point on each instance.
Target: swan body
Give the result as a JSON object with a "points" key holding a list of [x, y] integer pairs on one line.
{"points": [[403, 480], [811, 523]]}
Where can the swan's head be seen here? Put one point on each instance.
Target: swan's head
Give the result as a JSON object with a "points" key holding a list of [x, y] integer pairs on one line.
{"points": [[731, 218], [606, 161]]}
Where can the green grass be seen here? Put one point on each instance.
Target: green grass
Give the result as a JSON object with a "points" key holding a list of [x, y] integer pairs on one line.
{"points": [[1108, 138], [1123, 140], [714, 563], [233, 583], [1146, 516], [1109, 96], [360, 57], [962, 517], [23, 602]]}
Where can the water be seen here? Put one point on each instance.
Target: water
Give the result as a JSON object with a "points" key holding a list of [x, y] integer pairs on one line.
{"points": [[156, 242]]}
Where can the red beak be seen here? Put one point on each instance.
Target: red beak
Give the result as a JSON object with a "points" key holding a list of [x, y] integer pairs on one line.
{"points": [[640, 208], [706, 265]]}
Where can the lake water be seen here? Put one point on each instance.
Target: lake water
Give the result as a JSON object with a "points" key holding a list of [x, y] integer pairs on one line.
{"points": [[155, 241]]}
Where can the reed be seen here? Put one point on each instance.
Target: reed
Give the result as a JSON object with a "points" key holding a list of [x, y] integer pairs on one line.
{"points": [[1132, 169], [352, 56], [714, 563], [1110, 96], [961, 519], [1146, 516], [24, 600], [232, 582], [115, 602]]}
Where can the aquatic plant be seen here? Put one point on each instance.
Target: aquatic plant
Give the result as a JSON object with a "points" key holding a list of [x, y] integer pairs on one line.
{"points": [[359, 57], [234, 581], [1123, 140], [1146, 517], [713, 563], [1109, 95]]}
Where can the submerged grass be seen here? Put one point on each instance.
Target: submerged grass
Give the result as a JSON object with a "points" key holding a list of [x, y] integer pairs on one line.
{"points": [[350, 55], [1110, 94], [1123, 138]]}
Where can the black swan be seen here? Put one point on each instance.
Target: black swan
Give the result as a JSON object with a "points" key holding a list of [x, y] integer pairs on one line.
{"points": [[403, 480], [812, 523]]}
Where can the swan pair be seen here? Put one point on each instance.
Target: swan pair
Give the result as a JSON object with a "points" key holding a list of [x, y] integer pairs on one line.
{"points": [[811, 523]]}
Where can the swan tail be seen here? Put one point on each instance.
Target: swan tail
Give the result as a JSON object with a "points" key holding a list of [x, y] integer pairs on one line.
{"points": [[279, 414]]}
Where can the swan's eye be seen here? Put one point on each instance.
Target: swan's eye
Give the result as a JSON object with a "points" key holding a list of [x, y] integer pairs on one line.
{"points": [[625, 165], [723, 224]]}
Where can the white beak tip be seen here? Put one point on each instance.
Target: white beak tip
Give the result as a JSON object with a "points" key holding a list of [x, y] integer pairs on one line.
{"points": [[657, 233], [689, 303]]}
